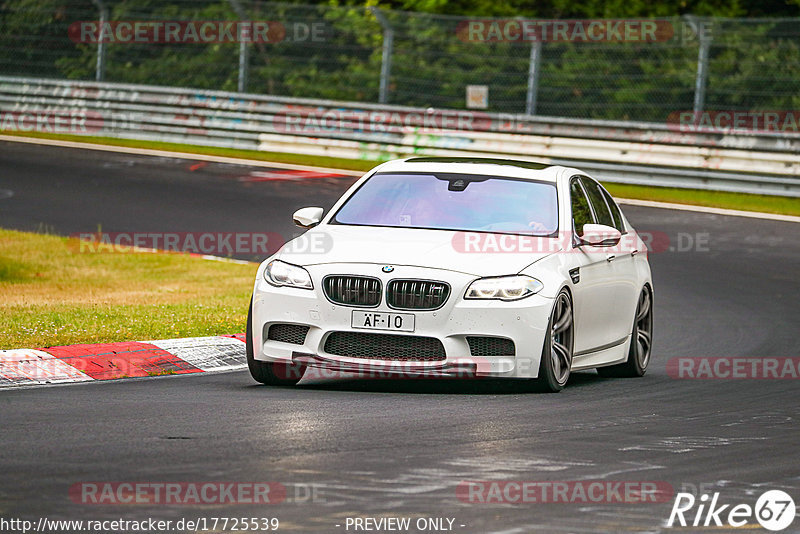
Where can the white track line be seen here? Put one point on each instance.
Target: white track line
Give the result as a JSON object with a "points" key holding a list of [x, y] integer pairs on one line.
{"points": [[171, 154], [259, 163]]}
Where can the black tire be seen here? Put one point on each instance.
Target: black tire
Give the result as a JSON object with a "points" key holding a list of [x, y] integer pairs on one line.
{"points": [[269, 373], [641, 342], [555, 365]]}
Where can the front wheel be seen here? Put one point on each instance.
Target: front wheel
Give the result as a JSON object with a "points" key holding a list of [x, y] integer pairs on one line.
{"points": [[556, 362], [641, 341], [269, 373]]}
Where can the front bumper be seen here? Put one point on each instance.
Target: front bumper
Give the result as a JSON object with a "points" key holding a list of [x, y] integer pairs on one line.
{"points": [[524, 322]]}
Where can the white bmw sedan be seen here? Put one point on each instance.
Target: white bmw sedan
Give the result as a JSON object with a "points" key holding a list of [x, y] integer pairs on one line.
{"points": [[457, 267]]}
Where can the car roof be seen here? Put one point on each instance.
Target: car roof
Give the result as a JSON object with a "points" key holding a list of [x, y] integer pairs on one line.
{"points": [[511, 168]]}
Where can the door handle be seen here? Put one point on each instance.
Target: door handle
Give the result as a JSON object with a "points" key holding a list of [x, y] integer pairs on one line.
{"points": [[610, 258], [634, 252]]}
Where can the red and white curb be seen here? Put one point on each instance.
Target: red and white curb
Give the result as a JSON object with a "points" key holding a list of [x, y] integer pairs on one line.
{"points": [[128, 359]]}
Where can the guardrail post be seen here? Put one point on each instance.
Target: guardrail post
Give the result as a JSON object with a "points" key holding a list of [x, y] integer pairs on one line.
{"points": [[244, 63], [386, 57], [244, 50], [100, 68], [701, 79], [533, 77]]}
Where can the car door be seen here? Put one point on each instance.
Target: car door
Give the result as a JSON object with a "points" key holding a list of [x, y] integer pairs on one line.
{"points": [[592, 277], [625, 263], [621, 292]]}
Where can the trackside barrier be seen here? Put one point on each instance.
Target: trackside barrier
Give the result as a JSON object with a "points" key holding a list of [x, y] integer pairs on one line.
{"points": [[635, 153]]}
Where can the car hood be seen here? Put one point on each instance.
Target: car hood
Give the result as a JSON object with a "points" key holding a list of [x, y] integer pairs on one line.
{"points": [[486, 255]]}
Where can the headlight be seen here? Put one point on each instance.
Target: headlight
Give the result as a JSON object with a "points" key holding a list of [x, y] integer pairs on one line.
{"points": [[504, 288], [279, 273]]}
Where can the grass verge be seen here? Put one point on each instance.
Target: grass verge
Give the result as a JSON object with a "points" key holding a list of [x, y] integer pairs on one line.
{"points": [[715, 199], [54, 295], [712, 199]]}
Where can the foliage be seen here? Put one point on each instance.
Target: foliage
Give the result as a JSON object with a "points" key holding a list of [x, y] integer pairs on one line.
{"points": [[754, 64]]}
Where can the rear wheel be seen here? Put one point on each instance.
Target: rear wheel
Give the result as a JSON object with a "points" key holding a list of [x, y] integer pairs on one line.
{"points": [[269, 373], [556, 361], [641, 341]]}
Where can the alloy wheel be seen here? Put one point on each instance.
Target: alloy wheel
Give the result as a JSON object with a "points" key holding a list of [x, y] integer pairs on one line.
{"points": [[561, 335]]}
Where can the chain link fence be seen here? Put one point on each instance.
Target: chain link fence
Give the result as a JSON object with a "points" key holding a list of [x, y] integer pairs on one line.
{"points": [[643, 70]]}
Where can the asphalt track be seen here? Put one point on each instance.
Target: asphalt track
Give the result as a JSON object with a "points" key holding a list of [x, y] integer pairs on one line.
{"points": [[400, 448]]}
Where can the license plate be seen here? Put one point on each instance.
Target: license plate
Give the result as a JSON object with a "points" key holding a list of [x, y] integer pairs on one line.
{"points": [[398, 322]]}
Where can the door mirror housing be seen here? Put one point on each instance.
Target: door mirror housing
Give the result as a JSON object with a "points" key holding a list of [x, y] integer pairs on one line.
{"points": [[599, 235], [308, 217]]}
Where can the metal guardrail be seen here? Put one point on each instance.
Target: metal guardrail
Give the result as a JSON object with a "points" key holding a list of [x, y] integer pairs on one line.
{"points": [[635, 153]]}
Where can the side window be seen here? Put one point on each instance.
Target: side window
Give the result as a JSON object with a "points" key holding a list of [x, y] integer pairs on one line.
{"points": [[581, 213], [598, 201], [615, 211]]}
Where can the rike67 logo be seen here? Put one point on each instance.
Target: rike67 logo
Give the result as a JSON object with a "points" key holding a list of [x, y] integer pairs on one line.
{"points": [[774, 510]]}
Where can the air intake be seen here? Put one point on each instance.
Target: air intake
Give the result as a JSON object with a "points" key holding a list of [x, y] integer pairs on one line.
{"points": [[385, 347], [490, 346], [288, 333]]}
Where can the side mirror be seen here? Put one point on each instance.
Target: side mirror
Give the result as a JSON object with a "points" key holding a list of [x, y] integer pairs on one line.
{"points": [[599, 235], [308, 217]]}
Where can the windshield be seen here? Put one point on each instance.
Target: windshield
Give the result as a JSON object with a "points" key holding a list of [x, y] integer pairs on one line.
{"points": [[463, 202]]}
